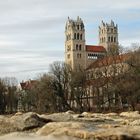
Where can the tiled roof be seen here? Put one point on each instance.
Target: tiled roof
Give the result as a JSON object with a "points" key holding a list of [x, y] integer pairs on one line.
{"points": [[93, 48], [28, 84], [109, 60]]}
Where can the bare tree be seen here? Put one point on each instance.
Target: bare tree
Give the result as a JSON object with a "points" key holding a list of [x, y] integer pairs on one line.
{"points": [[2, 97], [11, 95], [61, 74]]}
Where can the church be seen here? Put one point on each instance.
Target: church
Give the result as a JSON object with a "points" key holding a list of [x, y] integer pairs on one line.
{"points": [[78, 54]]}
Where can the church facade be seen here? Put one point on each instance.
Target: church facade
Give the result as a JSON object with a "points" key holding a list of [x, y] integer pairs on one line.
{"points": [[79, 55]]}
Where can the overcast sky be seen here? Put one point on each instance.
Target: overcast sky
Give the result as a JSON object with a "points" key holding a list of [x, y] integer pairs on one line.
{"points": [[32, 31]]}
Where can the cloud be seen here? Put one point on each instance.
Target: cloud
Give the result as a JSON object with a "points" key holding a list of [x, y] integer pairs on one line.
{"points": [[32, 31], [27, 62]]}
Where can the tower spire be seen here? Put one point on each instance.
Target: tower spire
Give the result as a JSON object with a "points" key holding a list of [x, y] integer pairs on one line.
{"points": [[108, 37], [75, 54]]}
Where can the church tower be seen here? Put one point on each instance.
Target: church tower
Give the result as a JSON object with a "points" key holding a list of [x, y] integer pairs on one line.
{"points": [[108, 37], [75, 53]]}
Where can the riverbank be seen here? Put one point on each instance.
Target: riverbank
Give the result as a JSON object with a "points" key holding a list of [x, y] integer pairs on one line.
{"points": [[69, 125]]}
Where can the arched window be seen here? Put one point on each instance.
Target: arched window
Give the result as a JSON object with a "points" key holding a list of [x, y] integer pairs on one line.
{"points": [[111, 38], [114, 39], [102, 39], [67, 38], [78, 55], [111, 30], [92, 56], [77, 27], [78, 36], [102, 31], [76, 46], [68, 56], [80, 47], [81, 36], [68, 48], [74, 35], [81, 26]]}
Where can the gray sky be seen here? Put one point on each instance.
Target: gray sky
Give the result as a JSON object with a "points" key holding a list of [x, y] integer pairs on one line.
{"points": [[32, 31]]}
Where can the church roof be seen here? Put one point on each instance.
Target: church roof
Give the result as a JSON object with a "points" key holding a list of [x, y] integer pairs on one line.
{"points": [[109, 60], [93, 48]]}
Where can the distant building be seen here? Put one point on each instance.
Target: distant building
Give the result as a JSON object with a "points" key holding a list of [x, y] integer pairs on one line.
{"points": [[78, 54], [27, 85], [23, 98], [108, 37]]}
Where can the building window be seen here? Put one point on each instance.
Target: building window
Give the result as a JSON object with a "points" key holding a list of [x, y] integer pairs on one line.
{"points": [[74, 35], [68, 56], [102, 40], [68, 48], [114, 39], [81, 26], [67, 38], [111, 30], [76, 46], [109, 39], [92, 56], [81, 36], [79, 55], [80, 47], [102, 31], [78, 36], [77, 27]]}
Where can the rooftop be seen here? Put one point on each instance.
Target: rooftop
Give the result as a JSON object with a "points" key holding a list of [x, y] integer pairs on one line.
{"points": [[93, 48], [109, 60]]}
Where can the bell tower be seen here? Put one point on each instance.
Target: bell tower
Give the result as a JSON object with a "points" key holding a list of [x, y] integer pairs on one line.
{"points": [[108, 37], [75, 54]]}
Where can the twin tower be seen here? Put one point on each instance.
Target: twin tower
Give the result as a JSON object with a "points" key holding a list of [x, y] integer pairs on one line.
{"points": [[79, 55]]}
